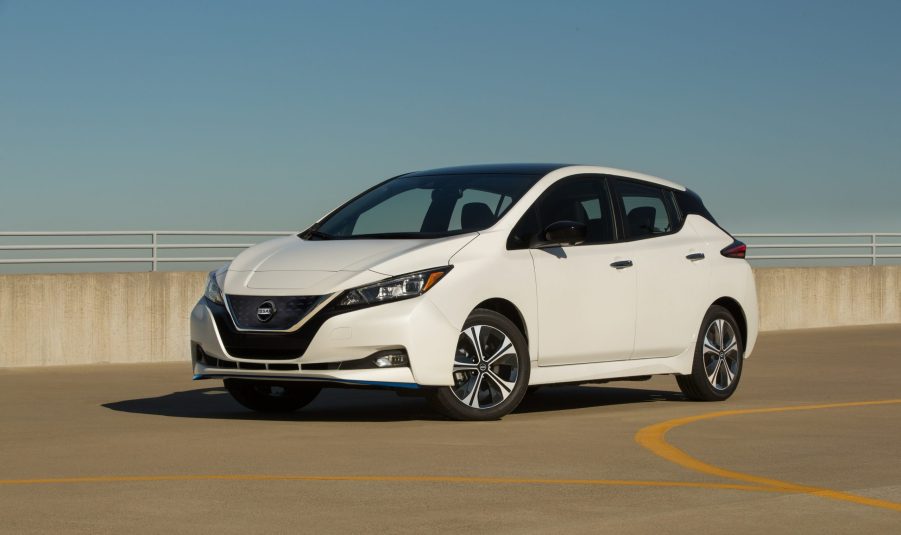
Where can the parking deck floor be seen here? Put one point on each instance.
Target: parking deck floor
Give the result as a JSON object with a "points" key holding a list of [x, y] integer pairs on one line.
{"points": [[811, 442]]}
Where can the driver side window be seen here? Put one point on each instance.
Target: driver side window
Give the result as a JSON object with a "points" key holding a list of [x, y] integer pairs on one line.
{"points": [[584, 199]]}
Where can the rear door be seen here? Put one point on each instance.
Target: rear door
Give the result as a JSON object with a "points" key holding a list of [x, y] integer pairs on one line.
{"points": [[586, 305], [671, 271]]}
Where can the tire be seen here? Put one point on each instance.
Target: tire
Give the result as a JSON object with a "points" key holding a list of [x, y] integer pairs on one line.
{"points": [[271, 396], [489, 381], [718, 362]]}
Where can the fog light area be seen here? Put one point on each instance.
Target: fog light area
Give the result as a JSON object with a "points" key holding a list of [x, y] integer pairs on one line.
{"points": [[392, 360]]}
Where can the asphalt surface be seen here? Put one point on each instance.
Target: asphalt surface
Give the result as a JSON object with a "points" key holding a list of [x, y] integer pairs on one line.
{"points": [[143, 449]]}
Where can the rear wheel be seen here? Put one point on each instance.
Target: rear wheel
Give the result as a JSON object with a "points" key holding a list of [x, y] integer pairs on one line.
{"points": [[491, 370], [718, 359], [271, 396]]}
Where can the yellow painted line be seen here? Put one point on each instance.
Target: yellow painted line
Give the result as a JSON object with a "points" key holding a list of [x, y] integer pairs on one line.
{"points": [[654, 439], [395, 479]]}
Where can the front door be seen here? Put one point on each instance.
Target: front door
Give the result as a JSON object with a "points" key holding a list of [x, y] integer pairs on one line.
{"points": [[586, 293]]}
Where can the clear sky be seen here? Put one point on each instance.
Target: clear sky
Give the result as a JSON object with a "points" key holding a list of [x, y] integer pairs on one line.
{"points": [[785, 115]]}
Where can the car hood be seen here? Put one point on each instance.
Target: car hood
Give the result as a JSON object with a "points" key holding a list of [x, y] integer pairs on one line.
{"points": [[318, 267]]}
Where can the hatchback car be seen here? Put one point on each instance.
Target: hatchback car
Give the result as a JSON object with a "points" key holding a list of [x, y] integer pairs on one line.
{"points": [[472, 284]]}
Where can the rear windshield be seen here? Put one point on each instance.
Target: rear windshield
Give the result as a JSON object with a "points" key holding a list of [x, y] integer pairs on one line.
{"points": [[425, 207]]}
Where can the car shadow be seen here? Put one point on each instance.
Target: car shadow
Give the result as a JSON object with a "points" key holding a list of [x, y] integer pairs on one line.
{"points": [[563, 398], [557, 251], [357, 405], [332, 405]]}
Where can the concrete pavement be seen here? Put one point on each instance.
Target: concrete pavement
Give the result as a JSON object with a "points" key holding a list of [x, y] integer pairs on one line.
{"points": [[142, 448]]}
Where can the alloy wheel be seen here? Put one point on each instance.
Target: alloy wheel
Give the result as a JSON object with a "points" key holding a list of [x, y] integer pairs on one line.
{"points": [[720, 355], [486, 367]]}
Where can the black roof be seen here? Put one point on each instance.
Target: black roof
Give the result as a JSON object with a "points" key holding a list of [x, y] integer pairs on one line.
{"points": [[494, 169]]}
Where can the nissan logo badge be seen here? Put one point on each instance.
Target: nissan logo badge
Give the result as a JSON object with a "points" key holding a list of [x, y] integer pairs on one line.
{"points": [[265, 311]]}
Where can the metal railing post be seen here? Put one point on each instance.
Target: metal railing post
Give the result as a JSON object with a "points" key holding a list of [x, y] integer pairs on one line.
{"points": [[873, 250], [153, 240]]}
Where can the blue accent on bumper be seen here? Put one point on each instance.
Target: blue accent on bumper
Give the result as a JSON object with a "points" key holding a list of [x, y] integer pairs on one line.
{"points": [[410, 386]]}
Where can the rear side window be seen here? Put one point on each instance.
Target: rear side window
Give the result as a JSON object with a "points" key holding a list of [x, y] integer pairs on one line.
{"points": [[646, 209]]}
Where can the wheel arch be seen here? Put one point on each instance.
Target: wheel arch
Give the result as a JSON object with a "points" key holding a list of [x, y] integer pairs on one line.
{"points": [[508, 310], [735, 308]]}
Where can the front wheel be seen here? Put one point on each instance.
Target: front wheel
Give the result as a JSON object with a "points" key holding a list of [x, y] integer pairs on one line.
{"points": [[718, 359], [271, 396], [491, 370]]}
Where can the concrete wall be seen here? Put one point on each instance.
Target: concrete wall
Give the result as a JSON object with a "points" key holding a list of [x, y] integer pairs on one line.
{"points": [[143, 317], [82, 318], [802, 298]]}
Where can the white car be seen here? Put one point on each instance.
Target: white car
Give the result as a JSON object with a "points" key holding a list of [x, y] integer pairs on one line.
{"points": [[472, 284]]}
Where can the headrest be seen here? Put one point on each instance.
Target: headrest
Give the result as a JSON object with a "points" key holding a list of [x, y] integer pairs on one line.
{"points": [[641, 220], [476, 216], [567, 210]]}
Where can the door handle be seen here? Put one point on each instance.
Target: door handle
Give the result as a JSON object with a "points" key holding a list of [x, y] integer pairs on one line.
{"points": [[694, 257], [621, 264]]}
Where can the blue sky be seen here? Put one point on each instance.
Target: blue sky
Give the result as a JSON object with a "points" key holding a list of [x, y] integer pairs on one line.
{"points": [[785, 116]]}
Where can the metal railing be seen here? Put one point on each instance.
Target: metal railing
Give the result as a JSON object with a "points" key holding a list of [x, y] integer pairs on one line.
{"points": [[160, 247], [153, 247], [871, 246]]}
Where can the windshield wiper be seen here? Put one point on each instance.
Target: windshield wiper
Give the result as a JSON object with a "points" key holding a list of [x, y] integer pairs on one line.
{"points": [[320, 235], [313, 232]]}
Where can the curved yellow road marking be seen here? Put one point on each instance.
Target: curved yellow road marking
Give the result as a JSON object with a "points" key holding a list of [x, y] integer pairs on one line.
{"points": [[654, 439], [410, 479], [651, 437]]}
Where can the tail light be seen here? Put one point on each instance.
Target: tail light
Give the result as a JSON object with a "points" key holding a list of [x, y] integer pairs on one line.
{"points": [[735, 249]]}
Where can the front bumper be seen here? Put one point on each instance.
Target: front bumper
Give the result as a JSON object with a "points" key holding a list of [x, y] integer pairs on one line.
{"points": [[414, 325]]}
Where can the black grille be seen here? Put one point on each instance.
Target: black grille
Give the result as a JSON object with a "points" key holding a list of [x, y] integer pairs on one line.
{"points": [[288, 310], [265, 345]]}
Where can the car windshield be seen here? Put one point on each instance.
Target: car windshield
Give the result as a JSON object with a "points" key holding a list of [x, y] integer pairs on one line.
{"points": [[430, 206]]}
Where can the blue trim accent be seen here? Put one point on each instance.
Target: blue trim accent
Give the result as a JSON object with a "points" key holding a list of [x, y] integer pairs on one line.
{"points": [[409, 386]]}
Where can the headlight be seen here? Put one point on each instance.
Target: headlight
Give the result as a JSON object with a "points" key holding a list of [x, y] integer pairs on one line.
{"points": [[394, 289], [213, 292]]}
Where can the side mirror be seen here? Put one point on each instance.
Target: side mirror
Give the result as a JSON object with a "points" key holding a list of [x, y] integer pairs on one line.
{"points": [[564, 233]]}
